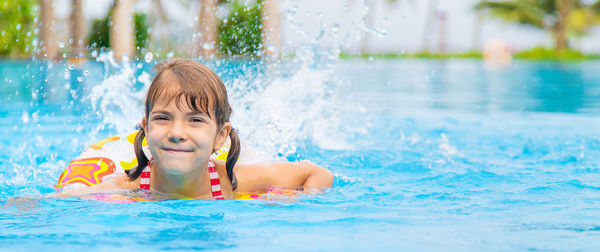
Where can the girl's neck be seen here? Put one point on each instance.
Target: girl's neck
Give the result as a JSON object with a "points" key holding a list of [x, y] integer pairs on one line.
{"points": [[195, 184]]}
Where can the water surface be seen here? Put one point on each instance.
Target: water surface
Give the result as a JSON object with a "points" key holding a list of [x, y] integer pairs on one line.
{"points": [[427, 154]]}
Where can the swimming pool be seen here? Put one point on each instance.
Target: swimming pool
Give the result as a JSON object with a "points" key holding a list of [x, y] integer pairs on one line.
{"points": [[427, 154]]}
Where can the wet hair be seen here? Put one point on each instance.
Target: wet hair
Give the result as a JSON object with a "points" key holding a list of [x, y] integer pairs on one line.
{"points": [[202, 90]]}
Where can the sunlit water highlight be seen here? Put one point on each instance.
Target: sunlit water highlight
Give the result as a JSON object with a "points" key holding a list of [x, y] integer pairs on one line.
{"points": [[427, 155]]}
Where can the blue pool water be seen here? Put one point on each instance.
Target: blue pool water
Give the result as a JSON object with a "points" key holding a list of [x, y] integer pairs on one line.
{"points": [[435, 155]]}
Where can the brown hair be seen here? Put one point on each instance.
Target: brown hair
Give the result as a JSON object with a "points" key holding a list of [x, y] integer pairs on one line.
{"points": [[202, 90]]}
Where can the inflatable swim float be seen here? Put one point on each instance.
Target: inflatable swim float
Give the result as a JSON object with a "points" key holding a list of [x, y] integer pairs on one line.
{"points": [[115, 155]]}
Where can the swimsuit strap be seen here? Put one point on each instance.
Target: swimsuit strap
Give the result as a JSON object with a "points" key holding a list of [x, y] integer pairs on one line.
{"points": [[215, 183], [145, 176]]}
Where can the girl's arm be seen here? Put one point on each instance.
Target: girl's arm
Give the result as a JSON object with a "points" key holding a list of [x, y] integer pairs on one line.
{"points": [[258, 177]]}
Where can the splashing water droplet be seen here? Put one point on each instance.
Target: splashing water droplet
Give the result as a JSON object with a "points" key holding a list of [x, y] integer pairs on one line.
{"points": [[71, 67], [148, 57], [335, 27], [207, 46], [80, 79], [170, 54], [25, 117], [86, 72]]}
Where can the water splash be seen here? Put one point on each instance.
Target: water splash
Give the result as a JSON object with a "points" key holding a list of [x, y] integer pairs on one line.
{"points": [[291, 109], [117, 98]]}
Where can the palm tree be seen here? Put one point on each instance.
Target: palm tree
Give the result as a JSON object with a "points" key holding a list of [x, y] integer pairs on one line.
{"points": [[369, 19], [207, 26], [48, 35], [270, 27], [561, 17], [77, 29], [122, 40], [430, 18], [477, 30]]}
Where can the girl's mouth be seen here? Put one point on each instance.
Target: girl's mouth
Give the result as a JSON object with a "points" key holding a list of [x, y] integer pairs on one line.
{"points": [[176, 150]]}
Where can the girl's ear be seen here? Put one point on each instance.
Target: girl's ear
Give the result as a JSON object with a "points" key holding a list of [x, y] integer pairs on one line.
{"points": [[222, 135], [145, 124]]}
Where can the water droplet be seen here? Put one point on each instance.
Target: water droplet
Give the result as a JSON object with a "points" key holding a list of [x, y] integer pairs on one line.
{"points": [[80, 79], [86, 72], [25, 117], [61, 45], [370, 58], [148, 57], [71, 67], [94, 53], [170, 54], [207, 46], [335, 27]]}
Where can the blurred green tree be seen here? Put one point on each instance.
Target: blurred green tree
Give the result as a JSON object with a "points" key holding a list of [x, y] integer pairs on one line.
{"points": [[140, 21], [562, 18], [99, 38], [240, 32], [99, 34], [17, 26]]}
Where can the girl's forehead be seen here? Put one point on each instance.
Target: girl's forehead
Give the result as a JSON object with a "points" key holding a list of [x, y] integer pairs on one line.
{"points": [[162, 103], [178, 102], [172, 104]]}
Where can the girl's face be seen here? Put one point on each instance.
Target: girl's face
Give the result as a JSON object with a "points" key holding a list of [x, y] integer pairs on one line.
{"points": [[181, 140]]}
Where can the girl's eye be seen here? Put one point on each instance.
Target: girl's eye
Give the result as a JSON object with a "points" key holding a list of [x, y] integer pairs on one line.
{"points": [[160, 118], [197, 120]]}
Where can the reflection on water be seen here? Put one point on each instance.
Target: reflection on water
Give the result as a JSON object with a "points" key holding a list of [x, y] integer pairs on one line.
{"points": [[466, 85], [559, 88], [411, 84]]}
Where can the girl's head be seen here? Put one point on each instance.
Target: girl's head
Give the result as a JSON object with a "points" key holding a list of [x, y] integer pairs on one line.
{"points": [[186, 119]]}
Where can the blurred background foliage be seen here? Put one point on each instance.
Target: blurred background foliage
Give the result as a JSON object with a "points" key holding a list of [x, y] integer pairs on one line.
{"points": [[240, 32], [99, 35], [563, 19], [17, 27]]}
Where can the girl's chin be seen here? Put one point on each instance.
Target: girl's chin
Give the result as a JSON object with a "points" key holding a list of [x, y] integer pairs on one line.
{"points": [[176, 171], [176, 168]]}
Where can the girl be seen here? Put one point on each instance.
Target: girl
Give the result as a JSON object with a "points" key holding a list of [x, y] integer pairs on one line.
{"points": [[186, 121]]}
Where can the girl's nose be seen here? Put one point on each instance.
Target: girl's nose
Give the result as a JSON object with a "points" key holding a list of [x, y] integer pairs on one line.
{"points": [[176, 139], [177, 133]]}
